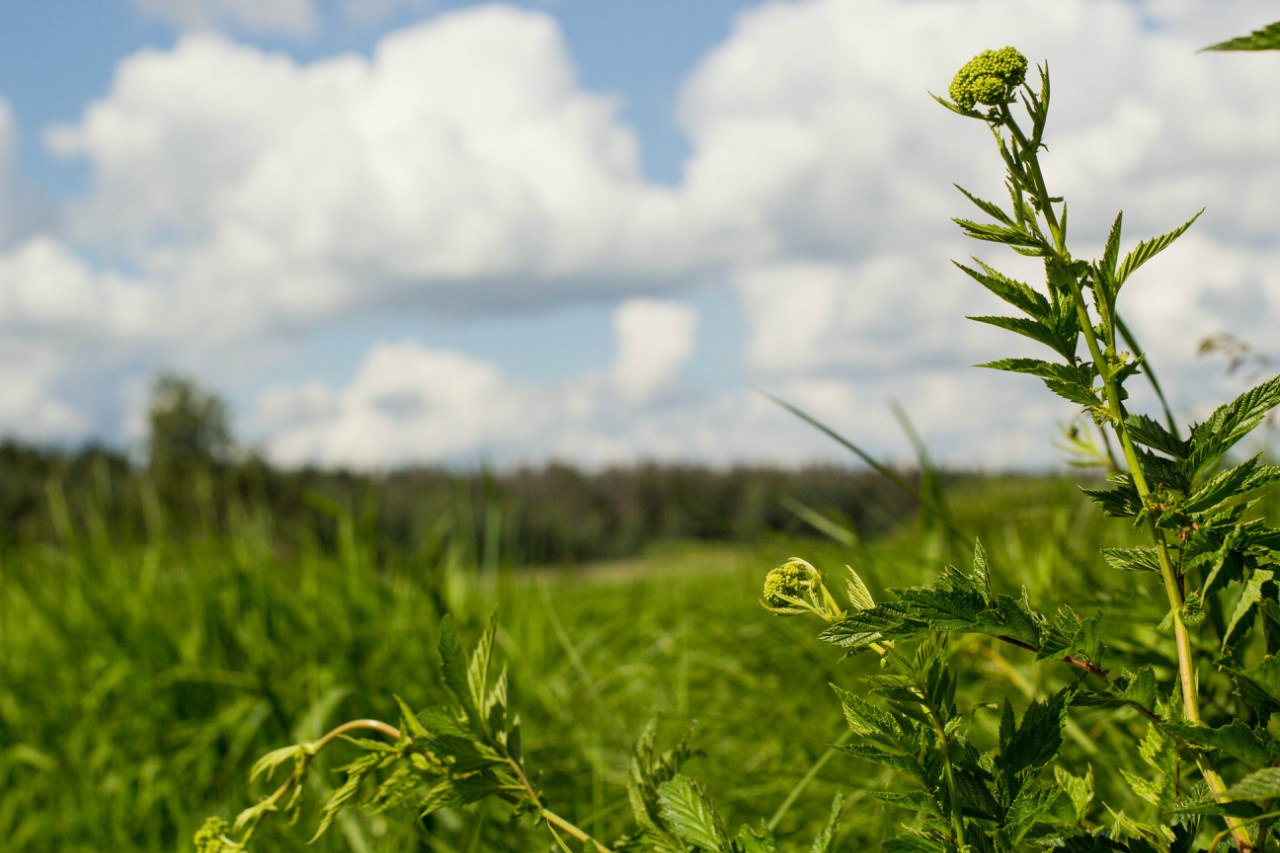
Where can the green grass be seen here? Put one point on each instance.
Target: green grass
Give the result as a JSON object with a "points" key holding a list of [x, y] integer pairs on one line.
{"points": [[139, 681]]}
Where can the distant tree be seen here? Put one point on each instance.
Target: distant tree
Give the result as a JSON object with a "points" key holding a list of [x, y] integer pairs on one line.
{"points": [[188, 427]]}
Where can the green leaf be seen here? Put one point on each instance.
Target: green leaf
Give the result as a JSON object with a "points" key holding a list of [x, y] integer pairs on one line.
{"points": [[1132, 559], [1111, 254], [751, 840], [689, 814], [1009, 235], [1078, 788], [1029, 806], [1070, 382], [1230, 423], [478, 668], [1246, 477], [1242, 616], [1150, 433], [1016, 293], [859, 596], [1234, 739], [868, 720], [1260, 685], [1120, 502], [987, 207], [1267, 38], [822, 843], [453, 665], [1148, 249], [1038, 736], [1262, 784], [1029, 328], [916, 801], [1067, 634]]}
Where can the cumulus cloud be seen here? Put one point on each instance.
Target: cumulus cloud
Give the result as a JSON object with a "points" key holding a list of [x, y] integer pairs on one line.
{"points": [[655, 340], [239, 197], [285, 17], [459, 167], [405, 403]]}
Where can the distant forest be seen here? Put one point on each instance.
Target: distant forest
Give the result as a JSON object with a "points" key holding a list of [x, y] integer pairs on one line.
{"points": [[195, 483], [548, 514]]}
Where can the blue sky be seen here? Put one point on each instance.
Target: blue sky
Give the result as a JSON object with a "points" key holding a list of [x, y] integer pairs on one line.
{"points": [[394, 231]]}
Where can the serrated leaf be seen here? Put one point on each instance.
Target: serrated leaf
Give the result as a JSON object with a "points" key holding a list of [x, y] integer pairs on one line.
{"points": [[1038, 736], [916, 801], [1242, 616], [1111, 254], [1246, 477], [453, 665], [1234, 739], [1148, 249], [1267, 38], [822, 843], [859, 596], [1068, 634], [1155, 435], [866, 719], [1067, 381], [1132, 559], [759, 840], [989, 208], [1016, 293], [478, 666], [1029, 806], [1262, 784], [1120, 502], [689, 814], [1230, 423], [1029, 328], [1009, 235], [1078, 788]]}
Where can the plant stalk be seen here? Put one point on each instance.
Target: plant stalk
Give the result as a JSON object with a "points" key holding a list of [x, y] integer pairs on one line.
{"points": [[1115, 412]]}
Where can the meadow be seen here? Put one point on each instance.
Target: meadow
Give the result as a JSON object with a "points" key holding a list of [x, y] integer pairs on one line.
{"points": [[142, 676]]}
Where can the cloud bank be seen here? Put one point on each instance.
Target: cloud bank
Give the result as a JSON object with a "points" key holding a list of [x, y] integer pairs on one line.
{"points": [[241, 200]]}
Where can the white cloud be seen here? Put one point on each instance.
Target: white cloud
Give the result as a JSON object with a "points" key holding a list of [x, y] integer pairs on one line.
{"points": [[286, 17], [406, 403], [655, 340], [461, 168]]}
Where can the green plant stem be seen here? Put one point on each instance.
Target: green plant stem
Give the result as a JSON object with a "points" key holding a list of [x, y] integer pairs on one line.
{"points": [[1115, 412], [553, 820], [957, 818], [808, 778]]}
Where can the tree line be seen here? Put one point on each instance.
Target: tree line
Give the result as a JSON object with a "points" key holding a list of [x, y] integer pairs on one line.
{"points": [[194, 482]]}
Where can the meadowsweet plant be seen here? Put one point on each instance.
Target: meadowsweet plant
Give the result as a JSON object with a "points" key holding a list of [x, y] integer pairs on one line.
{"points": [[1205, 693], [1194, 694]]}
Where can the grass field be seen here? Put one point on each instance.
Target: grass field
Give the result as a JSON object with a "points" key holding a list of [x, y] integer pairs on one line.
{"points": [[139, 680]]}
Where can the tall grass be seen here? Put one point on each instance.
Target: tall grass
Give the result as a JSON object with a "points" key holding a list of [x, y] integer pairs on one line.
{"points": [[139, 678]]}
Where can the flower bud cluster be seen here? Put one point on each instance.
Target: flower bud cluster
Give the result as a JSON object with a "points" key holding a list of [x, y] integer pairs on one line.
{"points": [[989, 78]]}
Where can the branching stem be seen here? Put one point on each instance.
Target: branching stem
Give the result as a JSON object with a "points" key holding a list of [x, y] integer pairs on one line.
{"points": [[1116, 417]]}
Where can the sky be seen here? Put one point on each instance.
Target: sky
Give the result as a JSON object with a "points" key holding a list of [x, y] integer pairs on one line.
{"points": [[394, 232]]}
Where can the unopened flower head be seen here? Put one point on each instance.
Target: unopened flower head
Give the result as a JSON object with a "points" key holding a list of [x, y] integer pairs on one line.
{"points": [[792, 580], [989, 78]]}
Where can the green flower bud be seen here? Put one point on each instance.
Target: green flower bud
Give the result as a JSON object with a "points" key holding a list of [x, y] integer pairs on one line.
{"points": [[794, 579], [989, 78], [212, 837]]}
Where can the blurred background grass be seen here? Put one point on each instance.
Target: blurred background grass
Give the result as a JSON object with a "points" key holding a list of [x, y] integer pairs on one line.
{"points": [[147, 664]]}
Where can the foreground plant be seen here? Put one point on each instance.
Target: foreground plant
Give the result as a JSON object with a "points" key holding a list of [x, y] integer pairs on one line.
{"points": [[1215, 563], [470, 750]]}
